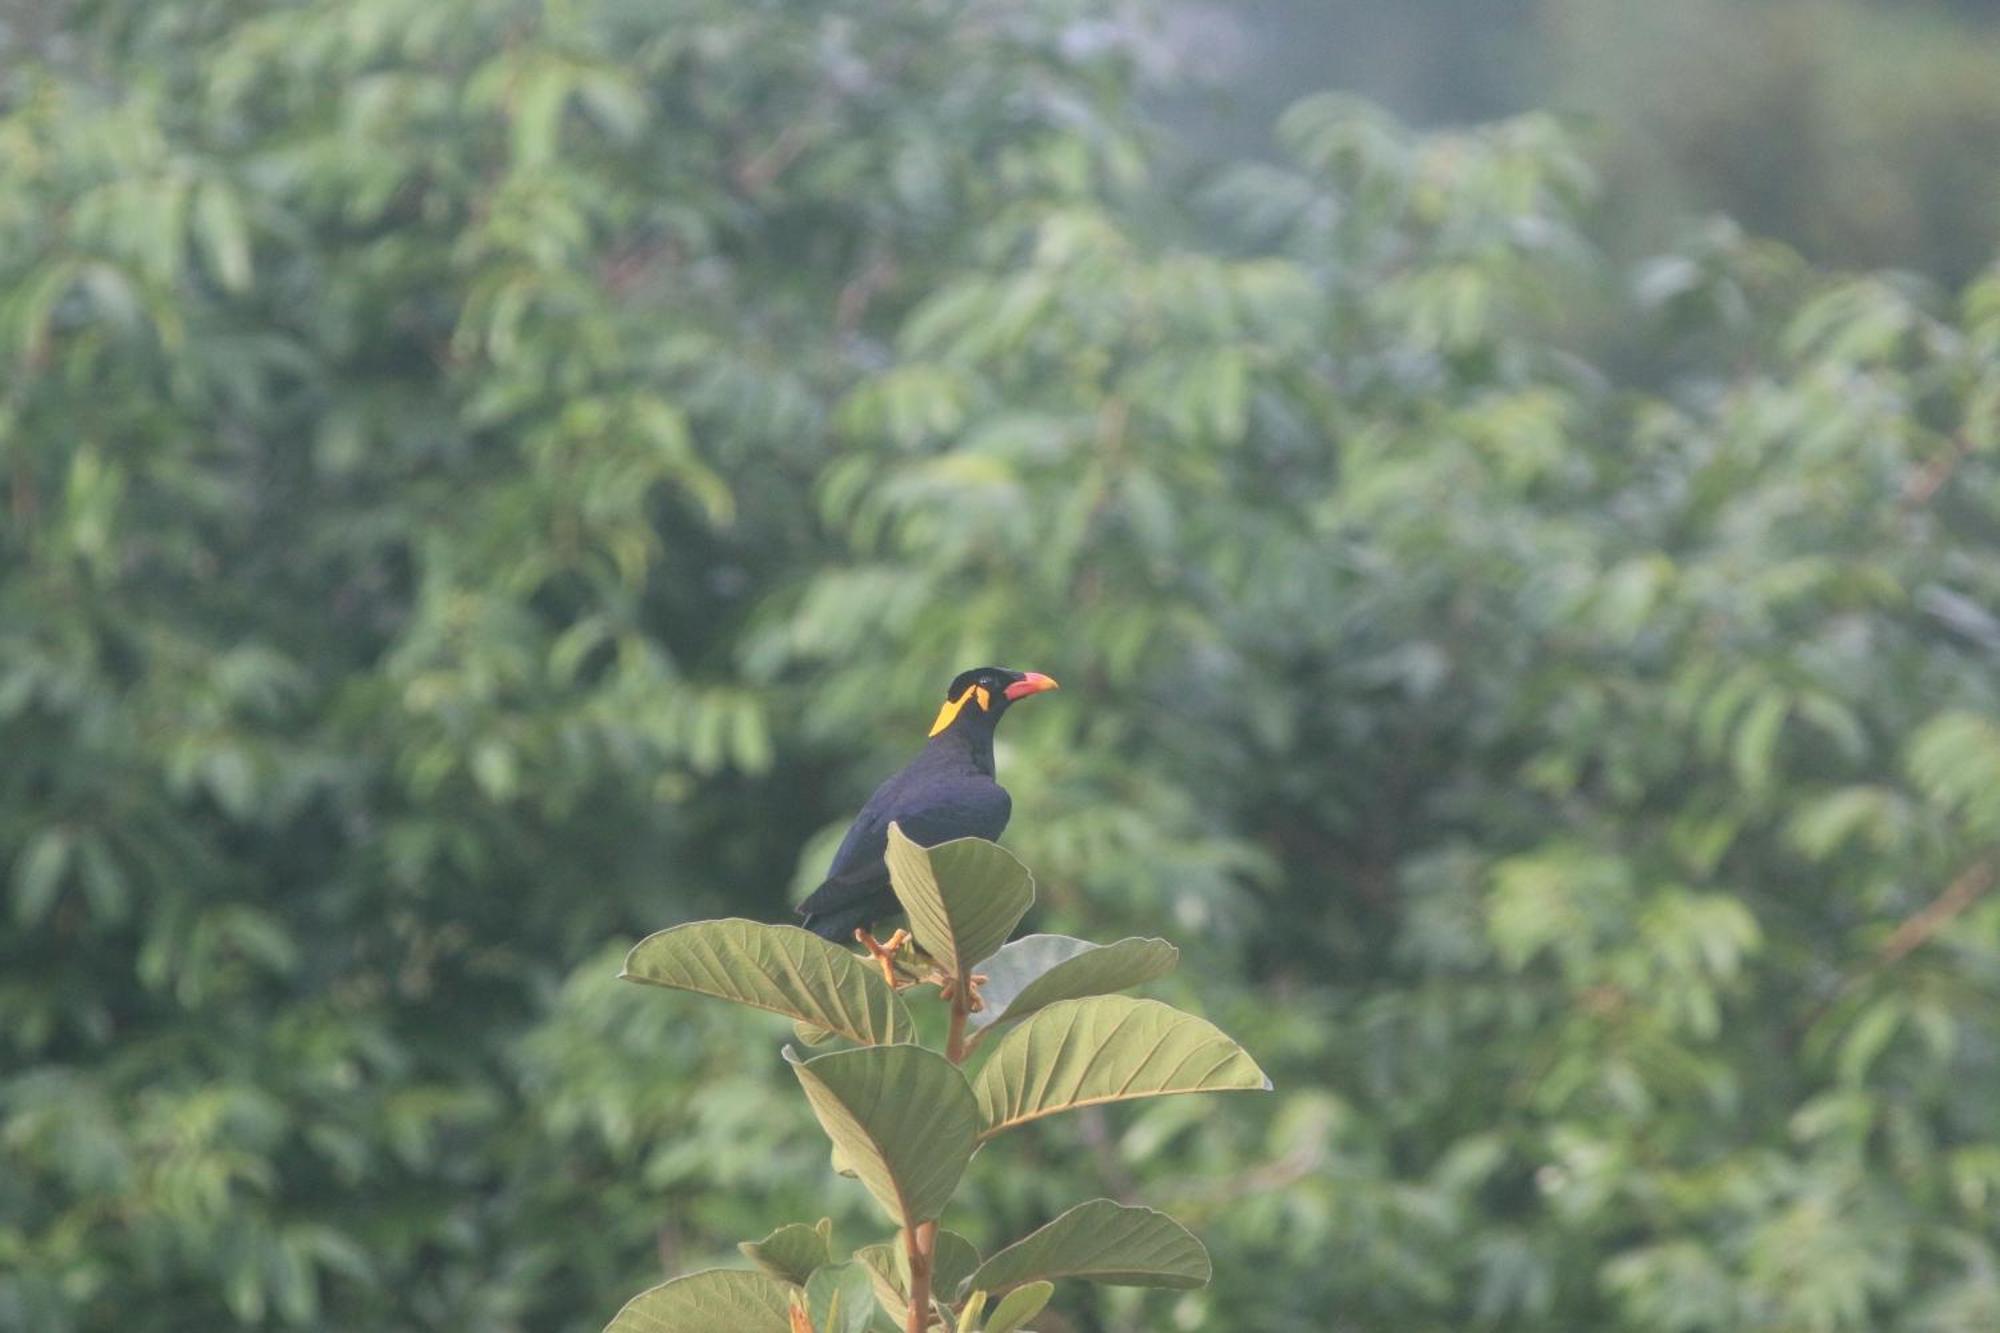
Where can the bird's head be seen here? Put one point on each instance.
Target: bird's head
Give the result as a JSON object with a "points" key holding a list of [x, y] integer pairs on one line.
{"points": [[978, 697]]}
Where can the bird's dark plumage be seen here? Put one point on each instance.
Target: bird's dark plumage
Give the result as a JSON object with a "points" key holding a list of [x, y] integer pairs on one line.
{"points": [[946, 792]]}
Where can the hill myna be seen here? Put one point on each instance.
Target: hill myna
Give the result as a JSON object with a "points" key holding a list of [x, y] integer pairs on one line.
{"points": [[946, 792]]}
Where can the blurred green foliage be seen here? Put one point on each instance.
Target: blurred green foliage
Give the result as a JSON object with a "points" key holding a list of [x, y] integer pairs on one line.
{"points": [[484, 480], [1865, 132]]}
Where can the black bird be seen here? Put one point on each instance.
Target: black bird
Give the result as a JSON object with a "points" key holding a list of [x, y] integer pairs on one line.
{"points": [[946, 792]]}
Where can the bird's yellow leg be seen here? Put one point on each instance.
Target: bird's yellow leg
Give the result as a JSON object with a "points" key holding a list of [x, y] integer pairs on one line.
{"points": [[885, 954]]}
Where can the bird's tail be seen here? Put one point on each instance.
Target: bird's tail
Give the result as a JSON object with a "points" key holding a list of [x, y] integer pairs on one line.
{"points": [[844, 902], [837, 925]]}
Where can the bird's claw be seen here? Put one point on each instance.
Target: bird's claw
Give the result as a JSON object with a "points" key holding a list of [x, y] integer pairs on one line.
{"points": [[885, 954], [947, 986]]}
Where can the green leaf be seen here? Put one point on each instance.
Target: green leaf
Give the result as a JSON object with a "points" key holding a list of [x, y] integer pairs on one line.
{"points": [[705, 1302], [963, 898], [953, 1259], [1020, 1305], [1869, 1037], [1955, 760], [1754, 750], [811, 1034], [886, 1275], [883, 1264], [791, 1252], [1035, 971], [1105, 1049], [104, 885], [219, 226], [903, 1117], [1100, 1241], [840, 1298], [888, 1267], [38, 874], [231, 778], [779, 968], [614, 101], [537, 107]]}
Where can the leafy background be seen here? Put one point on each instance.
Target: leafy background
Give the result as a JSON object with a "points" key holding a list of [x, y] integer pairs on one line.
{"points": [[483, 480]]}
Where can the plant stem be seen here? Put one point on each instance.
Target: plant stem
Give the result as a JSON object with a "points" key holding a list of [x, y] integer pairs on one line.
{"points": [[920, 1243], [954, 1041]]}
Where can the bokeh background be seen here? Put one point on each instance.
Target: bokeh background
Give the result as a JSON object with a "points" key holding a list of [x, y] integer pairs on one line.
{"points": [[1509, 490]]}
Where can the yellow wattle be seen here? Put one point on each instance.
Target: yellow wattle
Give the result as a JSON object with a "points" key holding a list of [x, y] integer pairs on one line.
{"points": [[949, 713]]}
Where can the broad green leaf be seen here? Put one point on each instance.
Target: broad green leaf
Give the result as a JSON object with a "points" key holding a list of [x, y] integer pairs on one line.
{"points": [[903, 1118], [840, 1298], [1035, 971], [780, 968], [963, 898], [1105, 1049], [1100, 1241], [811, 1034], [1018, 1306], [791, 1252], [885, 1273], [706, 1302], [888, 1269], [953, 1259]]}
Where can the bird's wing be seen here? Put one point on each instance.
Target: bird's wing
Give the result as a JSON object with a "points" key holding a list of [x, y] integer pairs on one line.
{"points": [[974, 811], [857, 871]]}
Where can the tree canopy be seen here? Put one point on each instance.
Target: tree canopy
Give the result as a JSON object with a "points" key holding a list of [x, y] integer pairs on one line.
{"points": [[487, 480]]}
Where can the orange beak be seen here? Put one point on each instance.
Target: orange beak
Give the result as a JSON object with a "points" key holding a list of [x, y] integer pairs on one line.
{"points": [[1032, 683]]}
